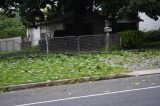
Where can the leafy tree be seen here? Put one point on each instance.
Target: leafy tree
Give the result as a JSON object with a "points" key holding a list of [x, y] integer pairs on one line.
{"points": [[129, 8], [150, 7], [11, 27], [31, 13]]}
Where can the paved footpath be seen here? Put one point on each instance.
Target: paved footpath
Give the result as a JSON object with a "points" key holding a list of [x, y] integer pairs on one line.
{"points": [[132, 91]]}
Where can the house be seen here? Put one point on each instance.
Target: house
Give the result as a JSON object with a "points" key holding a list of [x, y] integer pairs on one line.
{"points": [[94, 24], [67, 26], [125, 24], [148, 24], [33, 34]]}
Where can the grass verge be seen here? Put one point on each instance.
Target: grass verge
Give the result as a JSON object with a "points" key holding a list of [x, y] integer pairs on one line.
{"points": [[58, 66], [53, 67]]}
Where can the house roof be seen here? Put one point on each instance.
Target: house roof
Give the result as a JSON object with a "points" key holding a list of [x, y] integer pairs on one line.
{"points": [[62, 18], [69, 16]]}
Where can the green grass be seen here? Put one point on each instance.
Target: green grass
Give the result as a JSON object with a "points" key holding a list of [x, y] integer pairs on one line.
{"points": [[59, 66], [5, 52], [53, 67]]}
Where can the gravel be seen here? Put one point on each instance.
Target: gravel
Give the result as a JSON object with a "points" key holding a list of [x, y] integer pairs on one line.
{"points": [[134, 62]]}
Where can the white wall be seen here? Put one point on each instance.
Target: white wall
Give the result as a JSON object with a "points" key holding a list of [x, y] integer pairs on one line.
{"points": [[37, 36], [30, 33], [10, 44], [34, 35], [53, 27], [148, 24]]}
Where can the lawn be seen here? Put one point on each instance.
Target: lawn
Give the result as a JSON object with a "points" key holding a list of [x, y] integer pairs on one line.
{"points": [[59, 66], [53, 67]]}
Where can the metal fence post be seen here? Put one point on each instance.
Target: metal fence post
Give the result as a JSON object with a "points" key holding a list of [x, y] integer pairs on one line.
{"points": [[47, 44], [120, 41], [106, 41], [6, 45], [78, 45], [0, 46], [13, 46]]}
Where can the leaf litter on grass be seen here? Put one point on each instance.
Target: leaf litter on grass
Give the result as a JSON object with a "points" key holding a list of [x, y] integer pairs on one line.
{"points": [[53, 67], [59, 66]]}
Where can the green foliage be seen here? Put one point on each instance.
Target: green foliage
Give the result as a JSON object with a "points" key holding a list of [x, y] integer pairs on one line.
{"points": [[150, 7], [131, 39], [59, 66], [30, 10], [152, 39], [152, 45], [54, 67], [11, 27], [152, 36], [32, 49]]}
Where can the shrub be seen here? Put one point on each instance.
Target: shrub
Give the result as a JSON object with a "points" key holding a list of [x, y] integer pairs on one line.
{"points": [[12, 32], [152, 36], [151, 45], [131, 39]]}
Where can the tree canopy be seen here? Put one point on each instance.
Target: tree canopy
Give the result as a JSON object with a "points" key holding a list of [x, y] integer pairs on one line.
{"points": [[31, 10], [11, 27]]}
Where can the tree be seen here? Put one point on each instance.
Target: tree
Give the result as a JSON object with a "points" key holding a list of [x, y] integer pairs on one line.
{"points": [[120, 8], [29, 10], [11, 27], [31, 13], [150, 7]]}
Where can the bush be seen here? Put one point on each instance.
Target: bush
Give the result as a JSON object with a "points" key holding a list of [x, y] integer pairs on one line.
{"points": [[10, 32], [131, 39], [149, 45], [152, 36]]}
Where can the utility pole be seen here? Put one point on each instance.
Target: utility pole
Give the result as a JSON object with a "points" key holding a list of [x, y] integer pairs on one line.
{"points": [[46, 37]]}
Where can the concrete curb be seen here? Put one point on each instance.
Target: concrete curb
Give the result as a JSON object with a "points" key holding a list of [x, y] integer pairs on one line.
{"points": [[143, 72], [63, 82]]}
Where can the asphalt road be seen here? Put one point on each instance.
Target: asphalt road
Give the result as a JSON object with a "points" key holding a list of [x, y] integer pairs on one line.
{"points": [[134, 91]]}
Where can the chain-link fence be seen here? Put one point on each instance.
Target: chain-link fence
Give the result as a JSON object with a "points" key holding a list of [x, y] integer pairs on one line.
{"points": [[79, 44], [74, 43], [68, 44]]}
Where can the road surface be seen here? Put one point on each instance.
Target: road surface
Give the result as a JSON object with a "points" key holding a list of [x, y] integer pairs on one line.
{"points": [[133, 91]]}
